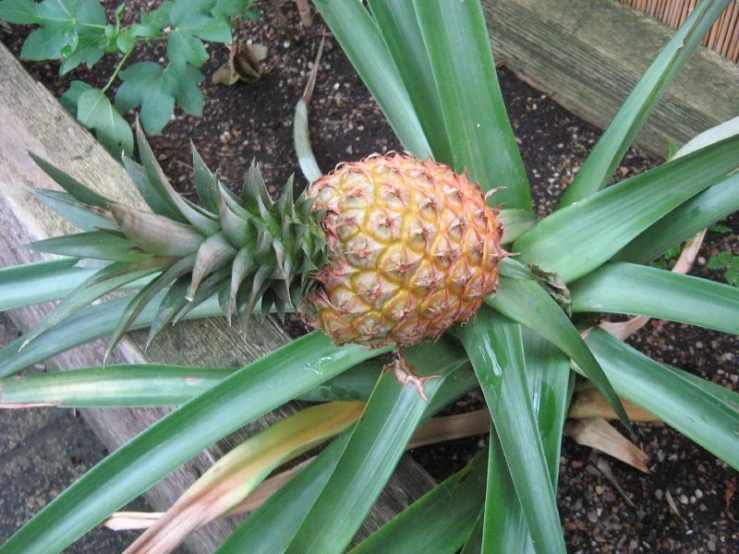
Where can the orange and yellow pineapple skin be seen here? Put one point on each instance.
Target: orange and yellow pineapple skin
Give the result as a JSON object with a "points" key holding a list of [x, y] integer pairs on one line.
{"points": [[413, 248]]}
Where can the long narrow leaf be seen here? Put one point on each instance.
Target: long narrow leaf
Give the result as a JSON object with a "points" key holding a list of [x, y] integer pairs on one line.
{"points": [[525, 302], [131, 385], [694, 215], [548, 375], [398, 24], [92, 244], [475, 116], [37, 282], [713, 135], [451, 508], [84, 326], [619, 135], [203, 221], [236, 474], [474, 541], [78, 191], [551, 384], [246, 395], [206, 182], [145, 295], [696, 412], [271, 528], [495, 348], [728, 397], [433, 431], [648, 291], [360, 39], [504, 527], [301, 129], [699, 212], [575, 240], [354, 384], [73, 211], [515, 222], [108, 279], [142, 385], [376, 444]]}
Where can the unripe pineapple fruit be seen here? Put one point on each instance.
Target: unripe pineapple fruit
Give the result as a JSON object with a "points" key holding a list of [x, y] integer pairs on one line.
{"points": [[413, 248], [390, 249]]}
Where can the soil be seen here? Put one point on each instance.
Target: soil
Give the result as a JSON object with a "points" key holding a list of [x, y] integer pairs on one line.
{"points": [[686, 503]]}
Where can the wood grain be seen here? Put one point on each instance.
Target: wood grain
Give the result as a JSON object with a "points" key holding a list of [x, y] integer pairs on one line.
{"points": [[32, 120], [588, 55]]}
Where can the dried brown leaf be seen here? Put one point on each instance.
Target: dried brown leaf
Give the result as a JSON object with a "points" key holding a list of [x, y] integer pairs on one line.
{"points": [[433, 431], [244, 64], [441, 429], [599, 434], [589, 402]]}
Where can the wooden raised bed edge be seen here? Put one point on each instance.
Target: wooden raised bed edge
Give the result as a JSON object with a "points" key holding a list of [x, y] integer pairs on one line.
{"points": [[32, 120], [588, 55]]}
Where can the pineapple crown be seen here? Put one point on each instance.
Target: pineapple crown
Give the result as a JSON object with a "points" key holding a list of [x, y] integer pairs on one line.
{"points": [[246, 248]]}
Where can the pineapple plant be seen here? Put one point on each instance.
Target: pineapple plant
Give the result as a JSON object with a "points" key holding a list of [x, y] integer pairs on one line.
{"points": [[390, 250], [394, 251]]}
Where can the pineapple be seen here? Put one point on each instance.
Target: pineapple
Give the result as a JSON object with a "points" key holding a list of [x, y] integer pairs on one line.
{"points": [[390, 249], [413, 248]]}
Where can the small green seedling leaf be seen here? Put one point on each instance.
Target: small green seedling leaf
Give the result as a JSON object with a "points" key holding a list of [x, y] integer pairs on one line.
{"points": [[720, 229], [157, 89], [196, 18], [89, 55], [95, 112], [19, 12], [726, 260], [72, 95], [184, 48], [90, 25], [70, 30], [191, 24], [720, 260], [732, 272], [147, 84], [187, 91], [48, 42], [125, 41]]}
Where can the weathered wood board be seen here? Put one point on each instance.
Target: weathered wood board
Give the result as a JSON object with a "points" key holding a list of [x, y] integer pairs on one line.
{"points": [[588, 54], [32, 120]]}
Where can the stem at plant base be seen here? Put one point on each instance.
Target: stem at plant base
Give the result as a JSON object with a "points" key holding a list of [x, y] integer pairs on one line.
{"points": [[118, 68]]}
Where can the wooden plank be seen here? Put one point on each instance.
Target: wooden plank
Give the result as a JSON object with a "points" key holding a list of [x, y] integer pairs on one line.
{"points": [[31, 119], [588, 56]]}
